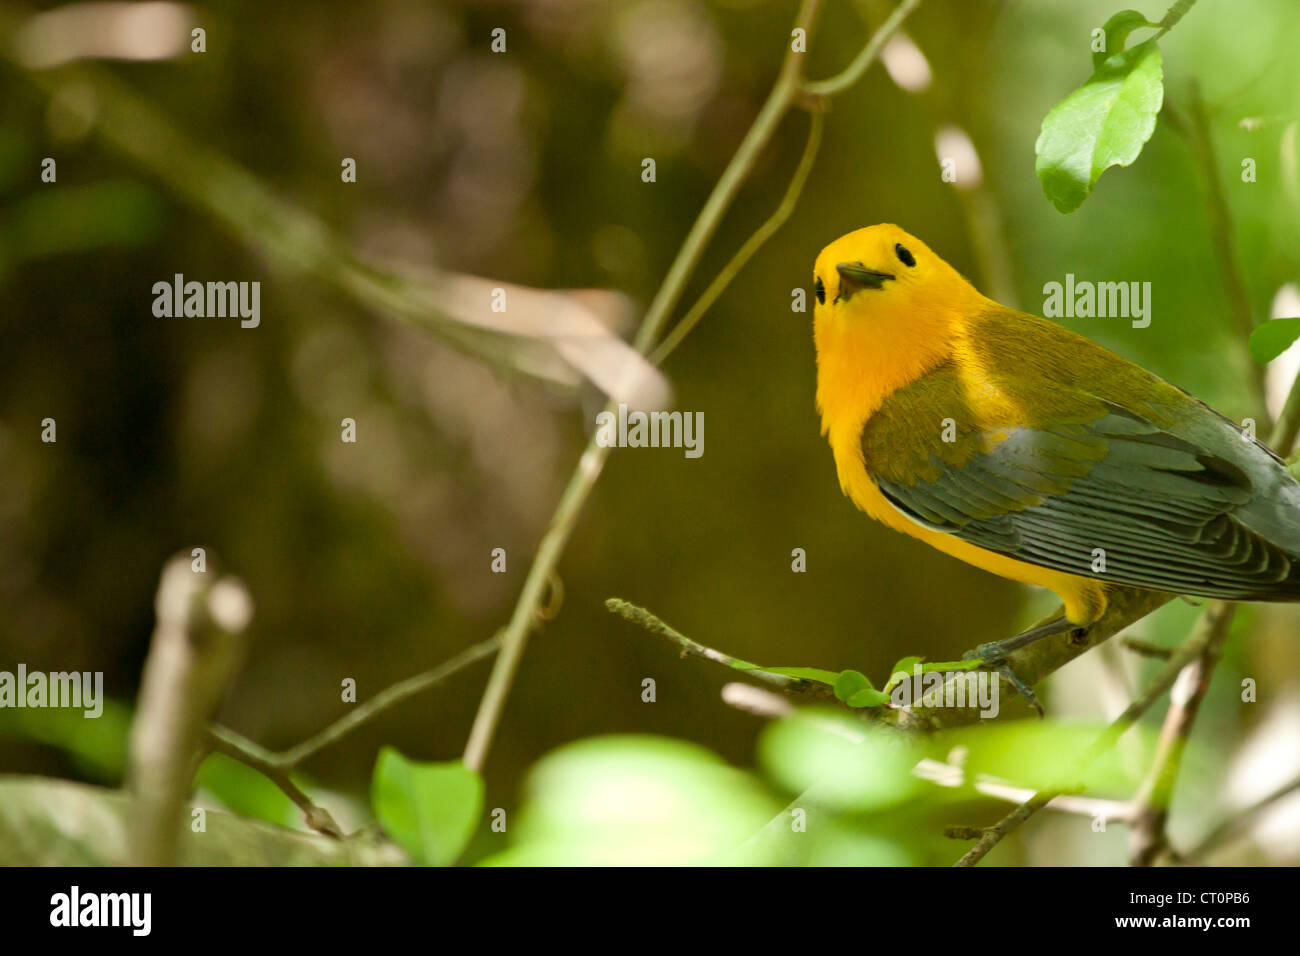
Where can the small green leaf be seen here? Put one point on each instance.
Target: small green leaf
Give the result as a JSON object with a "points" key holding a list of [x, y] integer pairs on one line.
{"points": [[849, 683], [1117, 29], [856, 690], [1273, 338], [900, 671], [802, 673], [431, 809], [868, 697], [1103, 123], [906, 664], [246, 792]]}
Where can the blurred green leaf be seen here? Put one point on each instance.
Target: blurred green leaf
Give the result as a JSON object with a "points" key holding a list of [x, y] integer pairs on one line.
{"points": [[431, 809], [636, 800], [1117, 29], [1038, 754], [67, 219], [1103, 123], [1271, 339], [97, 745], [852, 766], [847, 846], [246, 792]]}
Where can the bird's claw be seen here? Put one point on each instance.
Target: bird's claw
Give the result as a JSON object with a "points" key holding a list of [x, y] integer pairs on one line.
{"points": [[991, 654], [993, 657]]}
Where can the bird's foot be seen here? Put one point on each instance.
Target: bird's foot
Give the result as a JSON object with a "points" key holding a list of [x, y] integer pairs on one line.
{"points": [[995, 659], [996, 655]]}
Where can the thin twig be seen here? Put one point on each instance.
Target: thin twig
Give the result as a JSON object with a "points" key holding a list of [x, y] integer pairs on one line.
{"points": [[751, 246], [223, 741], [1197, 129], [993, 835], [948, 775], [689, 648], [756, 701], [1146, 648], [387, 698], [1148, 838], [853, 72], [254, 755], [1232, 826], [1163, 680], [1172, 16], [1287, 427], [1201, 652], [789, 87]]}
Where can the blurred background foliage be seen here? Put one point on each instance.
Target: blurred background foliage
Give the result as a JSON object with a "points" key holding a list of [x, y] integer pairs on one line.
{"points": [[371, 561]]}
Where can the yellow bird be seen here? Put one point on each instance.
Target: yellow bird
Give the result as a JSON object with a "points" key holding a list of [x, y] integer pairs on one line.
{"points": [[1014, 444]]}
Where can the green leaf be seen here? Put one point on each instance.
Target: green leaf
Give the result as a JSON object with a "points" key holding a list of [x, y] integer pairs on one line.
{"points": [[1273, 338], [870, 697], [851, 765], [856, 690], [901, 670], [849, 683], [431, 809], [968, 665], [1103, 123], [96, 746], [247, 792], [1117, 29], [802, 673], [1043, 754], [636, 800]]}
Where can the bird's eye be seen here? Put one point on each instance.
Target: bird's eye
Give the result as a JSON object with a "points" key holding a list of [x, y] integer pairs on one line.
{"points": [[820, 291], [904, 255]]}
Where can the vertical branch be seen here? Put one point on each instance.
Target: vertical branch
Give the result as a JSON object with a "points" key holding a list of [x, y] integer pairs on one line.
{"points": [[1199, 137], [194, 653], [1147, 838], [789, 89], [515, 636]]}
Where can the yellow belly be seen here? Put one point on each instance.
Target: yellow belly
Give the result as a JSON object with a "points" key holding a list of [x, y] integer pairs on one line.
{"points": [[1084, 598]]}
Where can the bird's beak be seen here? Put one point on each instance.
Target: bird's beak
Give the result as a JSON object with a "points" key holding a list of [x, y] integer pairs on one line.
{"points": [[855, 276]]}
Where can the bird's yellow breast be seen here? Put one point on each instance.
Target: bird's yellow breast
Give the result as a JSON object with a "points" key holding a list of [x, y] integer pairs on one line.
{"points": [[855, 374]]}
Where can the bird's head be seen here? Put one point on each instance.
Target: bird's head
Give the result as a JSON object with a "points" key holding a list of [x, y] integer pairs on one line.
{"points": [[880, 273], [885, 307]]}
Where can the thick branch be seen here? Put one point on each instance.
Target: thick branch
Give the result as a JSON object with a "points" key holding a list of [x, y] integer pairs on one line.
{"points": [[193, 655]]}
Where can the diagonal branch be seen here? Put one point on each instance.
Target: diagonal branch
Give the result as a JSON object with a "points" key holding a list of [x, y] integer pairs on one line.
{"points": [[789, 88], [689, 648]]}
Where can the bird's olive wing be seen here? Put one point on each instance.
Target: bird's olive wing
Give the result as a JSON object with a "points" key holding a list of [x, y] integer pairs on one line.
{"points": [[1109, 495]]}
